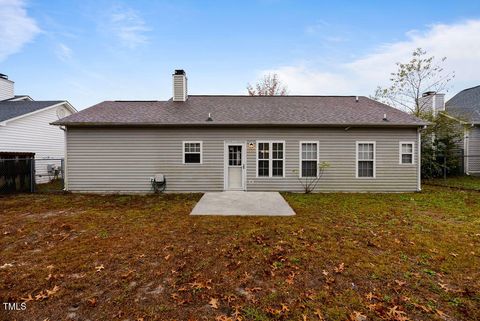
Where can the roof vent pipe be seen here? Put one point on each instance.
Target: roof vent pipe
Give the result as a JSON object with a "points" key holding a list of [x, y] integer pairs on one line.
{"points": [[356, 99], [385, 117], [209, 117]]}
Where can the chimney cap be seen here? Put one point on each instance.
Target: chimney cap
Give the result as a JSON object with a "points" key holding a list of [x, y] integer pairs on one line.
{"points": [[3, 76], [179, 72], [428, 93]]}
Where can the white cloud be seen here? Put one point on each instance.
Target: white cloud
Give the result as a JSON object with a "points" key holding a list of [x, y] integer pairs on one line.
{"points": [[63, 52], [459, 42], [16, 27], [128, 26]]}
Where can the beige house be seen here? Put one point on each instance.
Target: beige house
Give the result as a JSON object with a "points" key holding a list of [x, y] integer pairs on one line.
{"points": [[250, 143]]}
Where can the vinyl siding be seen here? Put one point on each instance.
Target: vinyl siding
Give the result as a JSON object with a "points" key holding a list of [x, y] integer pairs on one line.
{"points": [[473, 158], [123, 160], [33, 133]]}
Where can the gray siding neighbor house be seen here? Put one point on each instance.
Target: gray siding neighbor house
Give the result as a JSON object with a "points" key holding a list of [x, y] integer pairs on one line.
{"points": [[465, 106], [251, 143]]}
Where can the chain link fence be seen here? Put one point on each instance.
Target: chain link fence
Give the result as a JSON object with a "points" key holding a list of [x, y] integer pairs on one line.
{"points": [[455, 165], [49, 175]]}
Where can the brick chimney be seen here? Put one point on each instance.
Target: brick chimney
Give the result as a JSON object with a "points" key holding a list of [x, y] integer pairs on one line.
{"points": [[6, 87], [180, 85], [432, 101]]}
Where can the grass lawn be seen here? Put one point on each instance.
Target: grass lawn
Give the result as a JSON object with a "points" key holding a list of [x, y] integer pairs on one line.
{"points": [[463, 182], [343, 256]]}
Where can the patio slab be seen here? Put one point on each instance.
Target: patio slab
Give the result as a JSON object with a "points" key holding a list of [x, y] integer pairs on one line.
{"points": [[243, 203]]}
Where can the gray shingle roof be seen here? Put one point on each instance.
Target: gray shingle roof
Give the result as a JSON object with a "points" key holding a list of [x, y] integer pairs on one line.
{"points": [[465, 105], [243, 111], [12, 109]]}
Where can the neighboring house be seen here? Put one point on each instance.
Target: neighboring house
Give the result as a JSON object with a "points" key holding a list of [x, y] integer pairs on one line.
{"points": [[252, 143], [464, 107], [25, 125]]}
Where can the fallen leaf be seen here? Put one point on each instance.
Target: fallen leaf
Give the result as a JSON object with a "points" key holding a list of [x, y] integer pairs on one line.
{"points": [[441, 314], [54, 290], [284, 308], [92, 302], [253, 290], [237, 314], [357, 316], [167, 257], [370, 296], [453, 254], [127, 274], [396, 314], [6, 265], [319, 315], [290, 278], [373, 306], [40, 296], [400, 283], [340, 268], [27, 299], [99, 268], [213, 303]]}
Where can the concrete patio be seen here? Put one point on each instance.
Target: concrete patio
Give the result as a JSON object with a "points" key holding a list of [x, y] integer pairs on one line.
{"points": [[243, 203]]}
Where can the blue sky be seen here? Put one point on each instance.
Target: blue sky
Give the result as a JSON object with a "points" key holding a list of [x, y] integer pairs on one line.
{"points": [[90, 51]]}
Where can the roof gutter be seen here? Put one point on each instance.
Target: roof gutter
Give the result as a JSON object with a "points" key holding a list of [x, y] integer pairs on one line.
{"points": [[125, 125]]}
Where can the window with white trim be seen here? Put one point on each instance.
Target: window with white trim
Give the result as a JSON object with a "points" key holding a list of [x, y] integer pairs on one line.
{"points": [[309, 159], [192, 152], [365, 159], [270, 159], [406, 153]]}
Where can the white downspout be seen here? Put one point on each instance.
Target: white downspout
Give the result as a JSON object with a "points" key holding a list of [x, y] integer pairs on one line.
{"points": [[465, 150], [65, 171], [419, 159]]}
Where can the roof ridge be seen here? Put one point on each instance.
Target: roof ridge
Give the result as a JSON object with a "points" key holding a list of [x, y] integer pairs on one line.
{"points": [[265, 96], [469, 88]]}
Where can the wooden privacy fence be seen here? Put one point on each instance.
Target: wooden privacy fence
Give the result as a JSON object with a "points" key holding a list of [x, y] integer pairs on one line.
{"points": [[17, 172]]}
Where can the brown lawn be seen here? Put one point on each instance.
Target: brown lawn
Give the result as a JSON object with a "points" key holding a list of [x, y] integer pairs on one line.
{"points": [[344, 256]]}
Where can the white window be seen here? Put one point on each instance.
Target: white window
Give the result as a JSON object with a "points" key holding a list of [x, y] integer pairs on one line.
{"points": [[308, 159], [192, 152], [270, 159], [406, 153], [365, 159]]}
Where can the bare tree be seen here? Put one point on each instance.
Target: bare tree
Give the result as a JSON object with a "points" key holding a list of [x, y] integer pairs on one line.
{"points": [[421, 74], [270, 85]]}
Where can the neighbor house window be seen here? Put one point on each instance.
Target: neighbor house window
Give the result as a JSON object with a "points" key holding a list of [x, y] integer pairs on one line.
{"points": [[406, 153], [192, 152], [365, 159], [270, 159], [308, 159]]}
